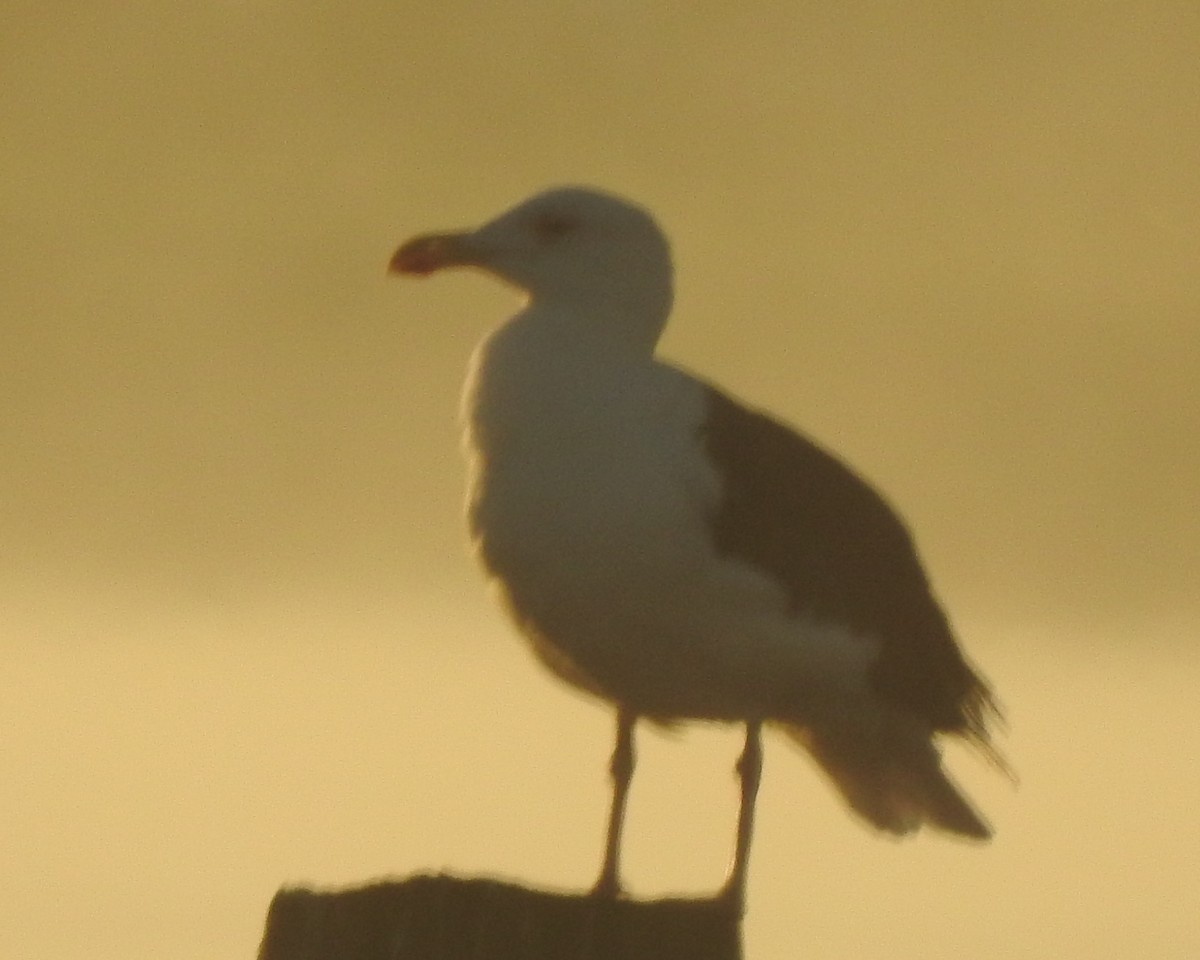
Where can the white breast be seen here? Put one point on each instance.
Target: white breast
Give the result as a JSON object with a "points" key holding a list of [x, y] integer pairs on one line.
{"points": [[585, 462]]}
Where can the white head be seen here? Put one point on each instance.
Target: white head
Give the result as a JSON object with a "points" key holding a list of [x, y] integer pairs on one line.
{"points": [[577, 252]]}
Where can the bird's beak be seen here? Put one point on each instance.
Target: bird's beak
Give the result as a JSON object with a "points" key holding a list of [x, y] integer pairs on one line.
{"points": [[434, 251]]}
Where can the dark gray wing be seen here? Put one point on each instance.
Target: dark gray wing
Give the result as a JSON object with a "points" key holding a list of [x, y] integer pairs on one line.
{"points": [[795, 511]]}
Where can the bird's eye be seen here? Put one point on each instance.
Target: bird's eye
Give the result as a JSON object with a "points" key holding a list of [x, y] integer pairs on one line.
{"points": [[551, 226]]}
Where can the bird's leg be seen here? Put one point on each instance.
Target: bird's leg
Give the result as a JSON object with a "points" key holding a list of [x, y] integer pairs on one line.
{"points": [[621, 768], [749, 769]]}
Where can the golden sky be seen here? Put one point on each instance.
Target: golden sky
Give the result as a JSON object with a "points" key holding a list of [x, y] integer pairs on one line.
{"points": [[242, 642]]}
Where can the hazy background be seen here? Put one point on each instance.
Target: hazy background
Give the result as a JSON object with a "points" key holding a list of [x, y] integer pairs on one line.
{"points": [[241, 641]]}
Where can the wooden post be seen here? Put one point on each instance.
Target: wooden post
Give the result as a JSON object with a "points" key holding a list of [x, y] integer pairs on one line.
{"points": [[442, 917]]}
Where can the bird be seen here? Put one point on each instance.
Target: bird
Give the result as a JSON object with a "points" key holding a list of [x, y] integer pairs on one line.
{"points": [[683, 556]]}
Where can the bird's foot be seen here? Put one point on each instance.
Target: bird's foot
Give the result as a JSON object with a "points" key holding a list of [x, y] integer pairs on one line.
{"points": [[607, 887], [732, 897]]}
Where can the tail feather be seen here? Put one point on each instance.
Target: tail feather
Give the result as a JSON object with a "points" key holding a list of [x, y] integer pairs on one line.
{"points": [[896, 790]]}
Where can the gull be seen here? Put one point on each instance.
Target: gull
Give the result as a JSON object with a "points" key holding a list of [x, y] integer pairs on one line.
{"points": [[682, 556]]}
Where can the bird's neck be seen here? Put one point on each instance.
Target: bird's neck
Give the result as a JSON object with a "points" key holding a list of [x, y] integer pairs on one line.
{"points": [[613, 326]]}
